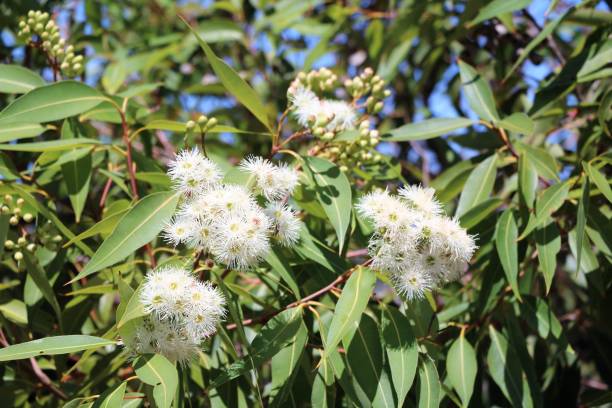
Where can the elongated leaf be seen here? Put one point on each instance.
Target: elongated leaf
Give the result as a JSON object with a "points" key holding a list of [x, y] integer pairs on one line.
{"points": [[542, 35], [349, 308], [39, 277], [42, 209], [528, 180], [429, 384], [49, 146], [52, 102], [281, 266], [16, 131], [548, 244], [156, 370], [519, 123], [600, 180], [333, 193], [583, 208], [175, 126], [280, 331], [427, 129], [506, 233], [544, 163], [77, 176], [284, 367], [52, 345], [111, 398], [506, 371], [233, 83], [17, 79], [478, 186], [365, 360], [105, 226], [133, 309], [497, 8], [478, 93], [479, 213], [402, 351], [461, 366], [139, 226], [552, 198]]}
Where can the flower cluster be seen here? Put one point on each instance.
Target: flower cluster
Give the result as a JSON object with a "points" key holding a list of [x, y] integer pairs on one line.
{"points": [[414, 243], [182, 312], [225, 220], [39, 29], [326, 119]]}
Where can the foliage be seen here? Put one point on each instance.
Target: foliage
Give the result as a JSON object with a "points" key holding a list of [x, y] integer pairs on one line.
{"points": [[503, 108]]}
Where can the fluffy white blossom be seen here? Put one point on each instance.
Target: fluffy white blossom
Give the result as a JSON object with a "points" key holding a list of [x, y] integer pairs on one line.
{"points": [[225, 221], [191, 171], [275, 182], [309, 109], [414, 243], [182, 312], [285, 224]]}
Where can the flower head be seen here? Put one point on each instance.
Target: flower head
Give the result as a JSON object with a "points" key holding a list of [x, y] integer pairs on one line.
{"points": [[285, 224]]}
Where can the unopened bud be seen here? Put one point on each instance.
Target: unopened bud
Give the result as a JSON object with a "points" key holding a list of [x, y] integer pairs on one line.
{"points": [[212, 122], [27, 217], [14, 220], [190, 125], [31, 247], [18, 256], [202, 120], [21, 241], [8, 244], [57, 238]]}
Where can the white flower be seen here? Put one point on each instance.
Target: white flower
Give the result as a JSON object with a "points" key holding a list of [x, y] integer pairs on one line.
{"points": [[286, 225], [181, 313], [343, 115], [178, 230], [412, 283], [307, 106], [275, 182], [421, 199], [229, 199], [447, 237], [192, 172]]}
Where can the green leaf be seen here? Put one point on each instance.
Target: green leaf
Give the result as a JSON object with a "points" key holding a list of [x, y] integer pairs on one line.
{"points": [[349, 308], [528, 180], [548, 244], [497, 8], [111, 398], [506, 370], [233, 83], [552, 198], [280, 331], [427, 129], [105, 226], [601, 58], [542, 35], [52, 345], [583, 208], [364, 356], [139, 226], [133, 309], [544, 163], [478, 186], [519, 123], [17, 79], [50, 145], [506, 233], [480, 212], [280, 265], [284, 367], [114, 76], [429, 384], [39, 277], [77, 176], [462, 366], [478, 93], [16, 131], [42, 209], [52, 102], [402, 351], [599, 179], [333, 193], [156, 370]]}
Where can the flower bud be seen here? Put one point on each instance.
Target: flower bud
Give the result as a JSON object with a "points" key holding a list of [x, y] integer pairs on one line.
{"points": [[27, 217], [8, 244], [5, 209], [18, 256], [202, 120], [21, 241], [31, 247], [14, 220], [378, 107], [190, 125], [57, 238], [212, 122], [8, 198]]}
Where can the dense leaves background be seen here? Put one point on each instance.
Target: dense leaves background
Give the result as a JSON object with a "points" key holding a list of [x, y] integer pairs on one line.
{"points": [[503, 107]]}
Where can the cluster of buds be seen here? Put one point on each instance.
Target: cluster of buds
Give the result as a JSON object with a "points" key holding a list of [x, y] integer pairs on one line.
{"points": [[321, 80], [14, 209], [370, 85], [204, 123], [358, 152], [39, 29]]}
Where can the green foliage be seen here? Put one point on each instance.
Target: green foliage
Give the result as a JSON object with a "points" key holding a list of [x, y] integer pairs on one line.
{"points": [[500, 106]]}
